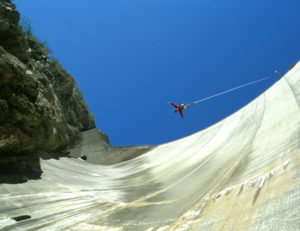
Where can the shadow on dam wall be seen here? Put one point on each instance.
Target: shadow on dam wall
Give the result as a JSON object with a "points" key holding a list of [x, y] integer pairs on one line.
{"points": [[94, 147], [21, 167]]}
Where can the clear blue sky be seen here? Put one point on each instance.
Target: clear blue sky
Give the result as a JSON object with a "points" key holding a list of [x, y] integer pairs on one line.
{"points": [[131, 57]]}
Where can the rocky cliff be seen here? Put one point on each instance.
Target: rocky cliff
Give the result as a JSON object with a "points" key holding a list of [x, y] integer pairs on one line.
{"points": [[41, 109]]}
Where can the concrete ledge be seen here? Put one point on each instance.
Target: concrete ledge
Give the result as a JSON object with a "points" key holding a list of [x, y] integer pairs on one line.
{"points": [[95, 148]]}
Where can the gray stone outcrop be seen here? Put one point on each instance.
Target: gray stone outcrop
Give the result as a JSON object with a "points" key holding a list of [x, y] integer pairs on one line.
{"points": [[41, 109]]}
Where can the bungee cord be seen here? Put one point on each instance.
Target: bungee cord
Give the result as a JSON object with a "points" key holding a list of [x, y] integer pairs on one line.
{"points": [[224, 92]]}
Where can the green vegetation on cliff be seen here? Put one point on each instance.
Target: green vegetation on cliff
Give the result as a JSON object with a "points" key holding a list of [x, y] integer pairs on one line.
{"points": [[26, 25]]}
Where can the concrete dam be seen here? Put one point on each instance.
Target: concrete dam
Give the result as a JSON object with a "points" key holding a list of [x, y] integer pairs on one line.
{"points": [[242, 173]]}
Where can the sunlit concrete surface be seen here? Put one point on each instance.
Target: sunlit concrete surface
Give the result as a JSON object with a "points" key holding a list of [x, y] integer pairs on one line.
{"points": [[240, 174]]}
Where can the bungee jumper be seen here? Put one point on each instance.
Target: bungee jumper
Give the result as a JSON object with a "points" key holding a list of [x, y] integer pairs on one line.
{"points": [[181, 107]]}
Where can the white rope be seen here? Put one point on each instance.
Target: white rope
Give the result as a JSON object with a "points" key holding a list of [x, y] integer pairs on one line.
{"points": [[221, 93]]}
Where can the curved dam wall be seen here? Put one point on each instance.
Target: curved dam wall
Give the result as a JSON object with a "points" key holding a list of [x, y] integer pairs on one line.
{"points": [[242, 173]]}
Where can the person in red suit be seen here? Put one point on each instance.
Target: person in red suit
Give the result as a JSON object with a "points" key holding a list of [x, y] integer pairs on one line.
{"points": [[179, 108]]}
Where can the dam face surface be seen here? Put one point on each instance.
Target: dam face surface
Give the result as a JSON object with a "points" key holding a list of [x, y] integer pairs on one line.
{"points": [[242, 173]]}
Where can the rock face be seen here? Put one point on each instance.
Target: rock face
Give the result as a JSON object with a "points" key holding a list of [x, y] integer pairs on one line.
{"points": [[41, 109]]}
